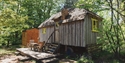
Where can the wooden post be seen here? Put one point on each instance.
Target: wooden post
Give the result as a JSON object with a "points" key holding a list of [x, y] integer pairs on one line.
{"points": [[54, 32]]}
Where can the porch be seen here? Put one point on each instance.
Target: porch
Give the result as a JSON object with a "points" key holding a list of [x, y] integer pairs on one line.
{"points": [[39, 57]]}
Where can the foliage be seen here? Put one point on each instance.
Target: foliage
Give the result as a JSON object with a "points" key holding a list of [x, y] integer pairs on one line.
{"points": [[70, 3], [4, 51], [39, 10], [114, 37], [19, 15], [92, 5], [84, 60], [112, 34], [8, 51], [10, 18]]}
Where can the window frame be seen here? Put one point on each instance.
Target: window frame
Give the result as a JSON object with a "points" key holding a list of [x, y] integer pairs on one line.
{"points": [[94, 25], [43, 30]]}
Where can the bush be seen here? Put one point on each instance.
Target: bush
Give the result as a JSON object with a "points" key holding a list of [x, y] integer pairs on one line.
{"points": [[84, 59], [3, 44]]}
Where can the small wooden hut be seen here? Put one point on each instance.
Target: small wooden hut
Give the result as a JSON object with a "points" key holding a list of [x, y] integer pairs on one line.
{"points": [[30, 34], [78, 27], [72, 27]]}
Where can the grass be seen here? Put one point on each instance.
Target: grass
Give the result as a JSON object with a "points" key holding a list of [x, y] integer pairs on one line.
{"points": [[5, 51], [8, 50]]}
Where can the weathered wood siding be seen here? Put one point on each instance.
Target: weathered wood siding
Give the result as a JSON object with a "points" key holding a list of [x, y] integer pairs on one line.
{"points": [[72, 34], [78, 33], [44, 37], [56, 34], [24, 37], [90, 37]]}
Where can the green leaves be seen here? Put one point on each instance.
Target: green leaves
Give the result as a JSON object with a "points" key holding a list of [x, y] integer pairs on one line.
{"points": [[38, 10], [19, 15], [11, 20], [92, 5], [113, 13]]}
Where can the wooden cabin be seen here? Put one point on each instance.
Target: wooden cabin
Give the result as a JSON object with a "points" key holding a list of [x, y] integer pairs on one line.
{"points": [[30, 34], [72, 27]]}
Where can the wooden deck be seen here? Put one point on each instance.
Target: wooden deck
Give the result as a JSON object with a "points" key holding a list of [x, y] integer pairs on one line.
{"points": [[35, 55]]}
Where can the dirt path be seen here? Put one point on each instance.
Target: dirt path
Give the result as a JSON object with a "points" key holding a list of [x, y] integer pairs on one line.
{"points": [[11, 58]]}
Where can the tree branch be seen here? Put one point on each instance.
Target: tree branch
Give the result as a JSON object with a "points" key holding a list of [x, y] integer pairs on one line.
{"points": [[110, 42]]}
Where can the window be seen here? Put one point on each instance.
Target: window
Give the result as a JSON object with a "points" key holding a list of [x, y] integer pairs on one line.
{"points": [[94, 25], [44, 30]]}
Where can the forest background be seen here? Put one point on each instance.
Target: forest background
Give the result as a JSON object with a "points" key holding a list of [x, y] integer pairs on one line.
{"points": [[19, 15]]}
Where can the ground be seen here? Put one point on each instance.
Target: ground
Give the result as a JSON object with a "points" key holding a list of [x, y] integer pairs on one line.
{"points": [[7, 55], [11, 58]]}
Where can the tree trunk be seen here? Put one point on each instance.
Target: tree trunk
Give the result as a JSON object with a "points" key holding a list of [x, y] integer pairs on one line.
{"points": [[8, 42]]}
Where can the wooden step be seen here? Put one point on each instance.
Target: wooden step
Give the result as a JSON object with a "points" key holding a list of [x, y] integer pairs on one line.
{"points": [[51, 52], [54, 44], [53, 47], [50, 48]]}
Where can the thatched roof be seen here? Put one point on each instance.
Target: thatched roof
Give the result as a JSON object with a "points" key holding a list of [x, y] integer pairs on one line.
{"points": [[75, 14], [47, 22]]}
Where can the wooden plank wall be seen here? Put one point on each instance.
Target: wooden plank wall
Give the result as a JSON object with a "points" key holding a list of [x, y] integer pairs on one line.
{"points": [[24, 37], [44, 37], [30, 34], [72, 33], [90, 37], [78, 33]]}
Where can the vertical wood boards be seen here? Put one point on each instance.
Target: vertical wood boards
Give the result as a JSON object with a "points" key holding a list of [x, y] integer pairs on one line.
{"points": [[49, 31], [76, 33], [57, 35], [63, 31], [66, 34], [24, 41], [90, 37], [72, 33], [30, 34], [83, 33], [60, 34], [44, 37]]}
